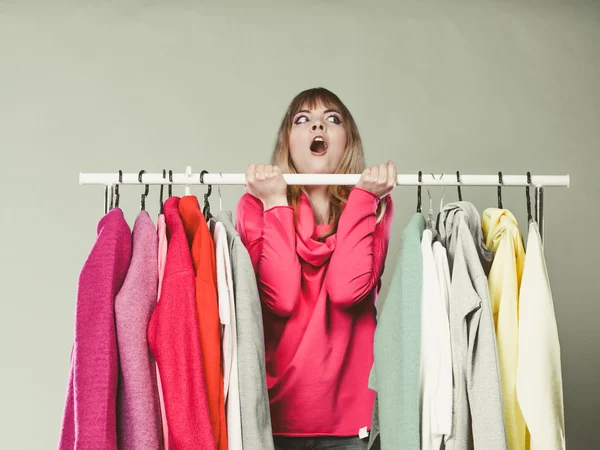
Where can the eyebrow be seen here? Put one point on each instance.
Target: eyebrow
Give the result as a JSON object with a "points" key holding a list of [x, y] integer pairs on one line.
{"points": [[326, 112]]}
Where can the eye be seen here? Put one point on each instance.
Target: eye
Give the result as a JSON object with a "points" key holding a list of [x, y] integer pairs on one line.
{"points": [[335, 118], [300, 120]]}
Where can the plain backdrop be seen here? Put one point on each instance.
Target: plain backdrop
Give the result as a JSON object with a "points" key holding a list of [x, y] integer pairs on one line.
{"points": [[477, 86]]}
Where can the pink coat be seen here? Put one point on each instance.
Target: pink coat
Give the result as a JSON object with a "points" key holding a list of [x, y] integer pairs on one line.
{"points": [[138, 407], [89, 418]]}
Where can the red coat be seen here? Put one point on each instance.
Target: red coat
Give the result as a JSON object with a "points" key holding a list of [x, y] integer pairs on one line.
{"points": [[207, 309], [173, 339]]}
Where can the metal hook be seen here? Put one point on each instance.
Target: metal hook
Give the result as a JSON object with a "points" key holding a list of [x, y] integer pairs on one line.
{"points": [[430, 212], [162, 188], [500, 190], [117, 195], [206, 210], [443, 193], [220, 197], [170, 183], [111, 195], [106, 197], [460, 198], [439, 214], [529, 216], [419, 192], [146, 191], [188, 174]]}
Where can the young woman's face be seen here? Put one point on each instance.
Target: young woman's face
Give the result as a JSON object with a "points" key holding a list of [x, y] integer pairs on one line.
{"points": [[317, 140]]}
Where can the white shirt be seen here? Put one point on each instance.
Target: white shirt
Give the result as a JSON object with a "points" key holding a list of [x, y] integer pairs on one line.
{"points": [[539, 377], [436, 361], [229, 338]]}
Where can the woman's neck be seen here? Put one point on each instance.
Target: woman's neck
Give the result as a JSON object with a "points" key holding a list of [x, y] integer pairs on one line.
{"points": [[319, 200]]}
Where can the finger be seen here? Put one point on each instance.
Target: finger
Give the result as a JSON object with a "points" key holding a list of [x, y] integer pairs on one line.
{"points": [[250, 170], [365, 175], [383, 174], [260, 168], [276, 169], [393, 175], [268, 169], [374, 173]]}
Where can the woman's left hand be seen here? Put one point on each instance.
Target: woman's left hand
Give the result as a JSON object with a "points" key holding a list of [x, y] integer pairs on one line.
{"points": [[380, 179]]}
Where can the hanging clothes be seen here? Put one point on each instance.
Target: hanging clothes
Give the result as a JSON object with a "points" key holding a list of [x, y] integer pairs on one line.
{"points": [[397, 349], [207, 312], [539, 374], [229, 339], [138, 405], [254, 398], [477, 397], [173, 338], [436, 358], [161, 226], [319, 315], [503, 237], [441, 424], [89, 418], [163, 243]]}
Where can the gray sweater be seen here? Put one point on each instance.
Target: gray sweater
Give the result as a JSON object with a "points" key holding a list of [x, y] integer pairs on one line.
{"points": [[254, 397], [477, 419]]}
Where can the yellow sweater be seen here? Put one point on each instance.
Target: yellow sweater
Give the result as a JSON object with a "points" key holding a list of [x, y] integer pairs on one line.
{"points": [[503, 237]]}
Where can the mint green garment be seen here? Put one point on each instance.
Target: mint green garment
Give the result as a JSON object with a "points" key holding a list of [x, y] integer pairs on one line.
{"points": [[397, 348]]}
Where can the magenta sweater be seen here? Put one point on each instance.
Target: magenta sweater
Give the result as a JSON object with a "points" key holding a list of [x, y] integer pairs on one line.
{"points": [[318, 310], [89, 419], [138, 406]]}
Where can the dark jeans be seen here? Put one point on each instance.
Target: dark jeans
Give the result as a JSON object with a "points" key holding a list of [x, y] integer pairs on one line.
{"points": [[320, 443]]}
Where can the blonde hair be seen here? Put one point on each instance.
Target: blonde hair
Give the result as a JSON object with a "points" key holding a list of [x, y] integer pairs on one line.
{"points": [[353, 160]]}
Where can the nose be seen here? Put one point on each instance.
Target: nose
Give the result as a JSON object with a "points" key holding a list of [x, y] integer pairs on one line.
{"points": [[318, 126]]}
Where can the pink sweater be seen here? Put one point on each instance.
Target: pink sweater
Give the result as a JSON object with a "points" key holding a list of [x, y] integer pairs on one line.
{"points": [[318, 311], [89, 419], [138, 407]]}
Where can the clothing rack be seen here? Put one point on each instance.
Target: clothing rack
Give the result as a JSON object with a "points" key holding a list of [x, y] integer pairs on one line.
{"points": [[189, 178]]}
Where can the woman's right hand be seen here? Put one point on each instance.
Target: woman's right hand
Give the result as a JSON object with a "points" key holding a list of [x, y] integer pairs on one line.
{"points": [[265, 182]]}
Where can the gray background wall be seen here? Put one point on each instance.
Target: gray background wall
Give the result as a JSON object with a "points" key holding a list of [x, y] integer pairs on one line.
{"points": [[102, 86]]}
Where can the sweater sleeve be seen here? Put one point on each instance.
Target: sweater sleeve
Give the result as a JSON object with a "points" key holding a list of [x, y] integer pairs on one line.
{"points": [[358, 260], [270, 237]]}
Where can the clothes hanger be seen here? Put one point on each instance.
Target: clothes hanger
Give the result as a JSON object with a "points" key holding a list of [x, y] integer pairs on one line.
{"points": [[162, 188], [419, 192], [206, 209], [116, 190], [500, 190], [430, 211], [437, 219], [220, 197], [111, 196], [188, 173], [460, 197], [146, 191], [170, 183], [107, 188], [529, 216]]}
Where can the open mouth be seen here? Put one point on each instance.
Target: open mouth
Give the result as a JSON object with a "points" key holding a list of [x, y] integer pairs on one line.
{"points": [[318, 147]]}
